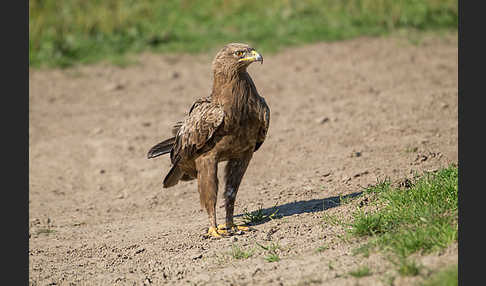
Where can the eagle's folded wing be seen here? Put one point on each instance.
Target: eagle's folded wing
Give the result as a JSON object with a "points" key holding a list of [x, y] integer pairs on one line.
{"points": [[265, 119], [197, 129]]}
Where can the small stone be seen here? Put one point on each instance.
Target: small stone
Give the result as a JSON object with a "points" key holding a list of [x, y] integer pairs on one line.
{"points": [[406, 183], [346, 179], [322, 120], [361, 174], [356, 154], [147, 281]]}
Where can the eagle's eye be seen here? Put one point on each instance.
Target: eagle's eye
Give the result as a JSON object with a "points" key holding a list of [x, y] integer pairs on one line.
{"points": [[239, 53]]}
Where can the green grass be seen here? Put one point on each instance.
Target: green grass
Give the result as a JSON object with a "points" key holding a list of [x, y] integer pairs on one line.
{"points": [[258, 216], [445, 277], [331, 220], [322, 248], [272, 257], [272, 252], [360, 272], [45, 231], [62, 33], [422, 218], [408, 267], [238, 253], [411, 149]]}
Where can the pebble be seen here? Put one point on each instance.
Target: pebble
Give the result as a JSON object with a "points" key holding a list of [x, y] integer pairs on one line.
{"points": [[322, 120]]}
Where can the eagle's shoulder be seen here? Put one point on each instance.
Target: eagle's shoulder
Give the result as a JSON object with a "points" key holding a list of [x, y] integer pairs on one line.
{"points": [[200, 101], [195, 104]]}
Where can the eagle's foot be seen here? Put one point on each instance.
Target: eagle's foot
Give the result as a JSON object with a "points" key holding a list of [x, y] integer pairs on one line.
{"points": [[216, 233], [223, 231], [233, 228]]}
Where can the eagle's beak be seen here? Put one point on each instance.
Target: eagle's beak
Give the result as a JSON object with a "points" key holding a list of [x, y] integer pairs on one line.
{"points": [[253, 57]]}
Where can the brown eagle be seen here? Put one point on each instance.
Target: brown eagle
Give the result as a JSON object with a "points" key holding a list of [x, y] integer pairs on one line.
{"points": [[229, 125]]}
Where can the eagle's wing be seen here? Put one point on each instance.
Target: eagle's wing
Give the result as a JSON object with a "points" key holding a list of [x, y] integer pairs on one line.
{"points": [[197, 129], [265, 119], [176, 127]]}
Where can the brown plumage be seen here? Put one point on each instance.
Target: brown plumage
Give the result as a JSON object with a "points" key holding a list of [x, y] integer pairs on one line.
{"points": [[229, 125]]}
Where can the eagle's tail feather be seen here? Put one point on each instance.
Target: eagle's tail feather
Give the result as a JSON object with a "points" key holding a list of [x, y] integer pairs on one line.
{"points": [[162, 148], [173, 177]]}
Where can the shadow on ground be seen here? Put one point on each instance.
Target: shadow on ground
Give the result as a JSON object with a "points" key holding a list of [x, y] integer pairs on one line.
{"points": [[262, 216]]}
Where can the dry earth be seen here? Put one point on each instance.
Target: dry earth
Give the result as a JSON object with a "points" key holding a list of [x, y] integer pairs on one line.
{"points": [[344, 115]]}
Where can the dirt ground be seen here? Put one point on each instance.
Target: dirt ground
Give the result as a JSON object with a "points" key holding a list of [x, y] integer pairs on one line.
{"points": [[344, 116]]}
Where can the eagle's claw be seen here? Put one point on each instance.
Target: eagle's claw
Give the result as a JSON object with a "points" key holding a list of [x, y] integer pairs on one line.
{"points": [[233, 228], [215, 232]]}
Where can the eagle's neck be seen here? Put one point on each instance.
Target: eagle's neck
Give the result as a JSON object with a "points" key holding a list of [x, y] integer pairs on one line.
{"points": [[235, 92], [233, 87]]}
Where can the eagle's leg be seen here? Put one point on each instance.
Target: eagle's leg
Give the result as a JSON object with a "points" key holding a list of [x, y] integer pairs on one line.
{"points": [[207, 185], [234, 172]]}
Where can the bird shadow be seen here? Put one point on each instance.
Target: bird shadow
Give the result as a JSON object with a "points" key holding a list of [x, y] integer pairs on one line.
{"points": [[262, 216]]}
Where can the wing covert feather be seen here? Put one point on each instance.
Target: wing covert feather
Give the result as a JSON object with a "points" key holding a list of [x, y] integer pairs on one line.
{"points": [[198, 128], [265, 119]]}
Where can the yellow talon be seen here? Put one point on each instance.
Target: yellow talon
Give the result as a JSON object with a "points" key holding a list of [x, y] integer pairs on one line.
{"points": [[222, 226], [243, 228], [213, 232], [223, 231], [233, 227], [217, 232]]}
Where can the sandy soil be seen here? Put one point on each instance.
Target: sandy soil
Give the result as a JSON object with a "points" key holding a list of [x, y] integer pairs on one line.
{"points": [[344, 115]]}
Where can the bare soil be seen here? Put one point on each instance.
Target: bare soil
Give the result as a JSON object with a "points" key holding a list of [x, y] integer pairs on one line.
{"points": [[344, 116]]}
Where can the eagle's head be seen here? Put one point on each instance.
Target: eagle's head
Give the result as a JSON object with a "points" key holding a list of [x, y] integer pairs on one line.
{"points": [[235, 57]]}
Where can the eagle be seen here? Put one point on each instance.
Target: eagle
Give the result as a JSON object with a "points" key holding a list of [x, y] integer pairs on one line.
{"points": [[229, 125]]}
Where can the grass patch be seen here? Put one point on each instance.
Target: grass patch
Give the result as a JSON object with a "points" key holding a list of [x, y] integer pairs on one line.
{"points": [[363, 250], [238, 253], [322, 248], [272, 252], [63, 33], [360, 272], [445, 277], [423, 218], [408, 267], [331, 220], [272, 257], [259, 216], [411, 149], [369, 224], [45, 231]]}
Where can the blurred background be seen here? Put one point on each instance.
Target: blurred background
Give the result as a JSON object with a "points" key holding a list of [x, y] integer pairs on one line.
{"points": [[63, 33]]}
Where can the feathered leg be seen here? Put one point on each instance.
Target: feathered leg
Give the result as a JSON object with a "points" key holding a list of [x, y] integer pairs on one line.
{"points": [[207, 185], [234, 172]]}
